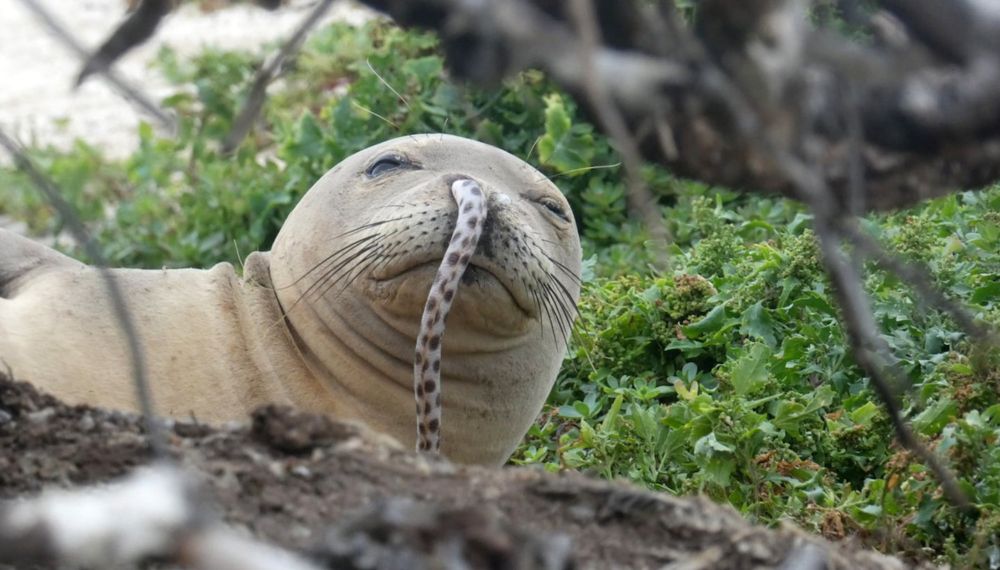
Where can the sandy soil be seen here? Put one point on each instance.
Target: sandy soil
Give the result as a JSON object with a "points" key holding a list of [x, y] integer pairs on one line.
{"points": [[37, 100]]}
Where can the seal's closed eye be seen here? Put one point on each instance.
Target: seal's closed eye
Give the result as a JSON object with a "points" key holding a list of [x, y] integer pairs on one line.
{"points": [[386, 163], [554, 207]]}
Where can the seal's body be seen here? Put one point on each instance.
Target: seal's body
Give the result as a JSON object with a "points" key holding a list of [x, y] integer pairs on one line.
{"points": [[328, 320]]}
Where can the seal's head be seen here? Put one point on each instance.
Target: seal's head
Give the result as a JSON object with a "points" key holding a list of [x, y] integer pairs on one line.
{"points": [[354, 262]]}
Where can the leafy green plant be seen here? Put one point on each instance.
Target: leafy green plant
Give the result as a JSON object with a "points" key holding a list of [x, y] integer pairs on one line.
{"points": [[731, 378]]}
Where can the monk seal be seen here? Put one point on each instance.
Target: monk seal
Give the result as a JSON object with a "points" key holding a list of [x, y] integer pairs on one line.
{"points": [[328, 319]]}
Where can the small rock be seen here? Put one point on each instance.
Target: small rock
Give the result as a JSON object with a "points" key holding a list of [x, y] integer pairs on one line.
{"points": [[41, 416], [86, 423]]}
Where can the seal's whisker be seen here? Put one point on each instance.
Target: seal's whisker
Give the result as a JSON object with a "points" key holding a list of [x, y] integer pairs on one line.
{"points": [[388, 255], [554, 321], [538, 304], [331, 271], [565, 321], [561, 304], [303, 296], [562, 266], [345, 268], [373, 259], [567, 303], [573, 171], [567, 296], [329, 258], [374, 224], [311, 287]]}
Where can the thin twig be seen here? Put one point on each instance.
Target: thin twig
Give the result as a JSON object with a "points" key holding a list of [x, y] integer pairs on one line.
{"points": [[129, 92], [138, 27], [872, 353], [258, 92], [641, 203], [917, 278], [154, 430], [396, 93], [870, 350]]}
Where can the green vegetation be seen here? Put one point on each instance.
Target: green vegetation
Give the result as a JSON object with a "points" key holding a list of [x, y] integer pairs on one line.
{"points": [[727, 375]]}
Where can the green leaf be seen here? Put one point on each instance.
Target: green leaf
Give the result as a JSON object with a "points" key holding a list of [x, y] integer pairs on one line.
{"points": [[423, 68], [757, 322], [564, 146], [933, 418], [750, 371], [864, 414], [719, 469], [715, 459], [709, 445], [713, 321], [609, 419], [990, 292]]}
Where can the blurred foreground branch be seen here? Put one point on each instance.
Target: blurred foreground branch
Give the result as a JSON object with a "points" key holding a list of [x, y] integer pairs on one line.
{"points": [[694, 98]]}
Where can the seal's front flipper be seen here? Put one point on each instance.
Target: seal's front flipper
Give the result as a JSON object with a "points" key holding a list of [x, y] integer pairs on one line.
{"points": [[21, 257]]}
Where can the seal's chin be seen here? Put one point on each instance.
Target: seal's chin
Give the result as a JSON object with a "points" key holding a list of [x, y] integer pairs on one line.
{"points": [[484, 299]]}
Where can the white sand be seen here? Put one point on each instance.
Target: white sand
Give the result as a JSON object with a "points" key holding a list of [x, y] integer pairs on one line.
{"points": [[38, 103]]}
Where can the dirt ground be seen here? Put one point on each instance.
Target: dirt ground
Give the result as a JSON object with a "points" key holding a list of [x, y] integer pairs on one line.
{"points": [[351, 499]]}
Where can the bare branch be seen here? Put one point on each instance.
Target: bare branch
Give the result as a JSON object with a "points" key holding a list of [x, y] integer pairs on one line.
{"points": [[872, 353], [918, 278], [903, 95], [138, 27], [641, 203], [257, 95]]}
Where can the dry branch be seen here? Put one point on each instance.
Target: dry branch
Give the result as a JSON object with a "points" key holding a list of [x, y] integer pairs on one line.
{"points": [[258, 90], [929, 126]]}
